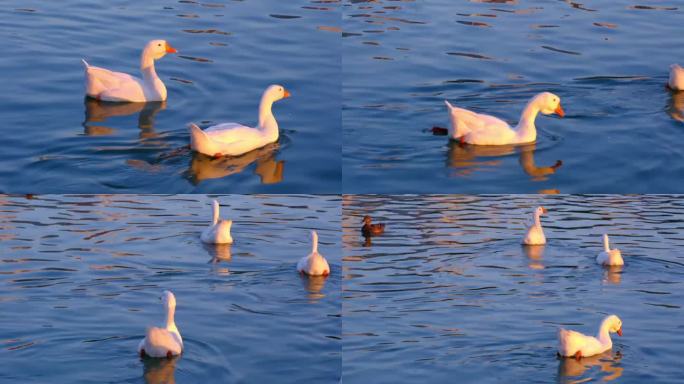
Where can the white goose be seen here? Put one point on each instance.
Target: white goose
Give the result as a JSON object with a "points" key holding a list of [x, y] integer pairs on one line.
{"points": [[480, 129], [314, 264], [609, 256], [218, 232], [165, 341], [676, 80], [571, 343], [233, 139], [103, 84], [535, 232]]}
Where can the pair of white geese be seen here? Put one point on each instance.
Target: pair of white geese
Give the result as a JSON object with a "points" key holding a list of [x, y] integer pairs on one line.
{"points": [[226, 139], [571, 343], [166, 341]]}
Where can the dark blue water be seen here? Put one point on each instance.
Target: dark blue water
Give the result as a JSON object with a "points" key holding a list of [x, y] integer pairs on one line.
{"points": [[608, 62], [229, 52], [80, 278], [448, 294]]}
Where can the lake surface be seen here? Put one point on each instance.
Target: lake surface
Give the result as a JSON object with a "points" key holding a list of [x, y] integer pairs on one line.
{"points": [[449, 293], [80, 278], [608, 62], [229, 52]]}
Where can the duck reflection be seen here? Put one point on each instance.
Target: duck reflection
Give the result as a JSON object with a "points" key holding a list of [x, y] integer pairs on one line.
{"points": [[467, 159], [267, 167], [97, 111], [535, 255], [612, 274], [675, 107], [160, 371], [571, 370], [314, 285]]}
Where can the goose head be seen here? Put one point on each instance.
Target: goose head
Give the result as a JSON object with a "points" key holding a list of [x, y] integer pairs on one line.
{"points": [[614, 324], [168, 300], [158, 49], [549, 103], [540, 211], [275, 92]]}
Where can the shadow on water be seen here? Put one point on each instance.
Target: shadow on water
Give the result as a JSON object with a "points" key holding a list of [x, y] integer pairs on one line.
{"points": [[268, 168], [467, 159], [573, 371], [97, 111]]}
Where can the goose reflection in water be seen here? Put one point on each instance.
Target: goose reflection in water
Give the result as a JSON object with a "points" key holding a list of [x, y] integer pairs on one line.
{"points": [[675, 107], [469, 158], [535, 255], [571, 370], [613, 274], [269, 169], [219, 253], [160, 371], [97, 111], [314, 285]]}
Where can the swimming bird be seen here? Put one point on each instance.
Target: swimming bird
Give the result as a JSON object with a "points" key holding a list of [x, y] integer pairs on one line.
{"points": [[233, 139], [676, 80], [165, 341], [609, 256], [218, 232], [106, 85], [480, 129], [571, 343], [314, 264], [370, 229], [535, 232]]}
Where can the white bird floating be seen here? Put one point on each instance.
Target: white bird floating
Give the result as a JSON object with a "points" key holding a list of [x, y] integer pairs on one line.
{"points": [[218, 232], [535, 232], [165, 341], [314, 264], [480, 129], [609, 256], [103, 84], [571, 343], [233, 139], [676, 80]]}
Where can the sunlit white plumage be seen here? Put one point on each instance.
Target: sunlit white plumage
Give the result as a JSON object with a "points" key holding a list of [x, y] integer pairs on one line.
{"points": [[233, 139], [480, 129], [218, 232], [103, 84], [609, 256], [572, 343], [163, 341], [314, 264], [535, 232], [676, 80]]}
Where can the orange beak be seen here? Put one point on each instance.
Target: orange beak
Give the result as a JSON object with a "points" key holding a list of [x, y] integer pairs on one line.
{"points": [[544, 210], [170, 49], [286, 94], [559, 111], [619, 332]]}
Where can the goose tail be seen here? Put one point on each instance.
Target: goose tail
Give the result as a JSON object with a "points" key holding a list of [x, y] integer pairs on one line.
{"points": [[200, 142]]}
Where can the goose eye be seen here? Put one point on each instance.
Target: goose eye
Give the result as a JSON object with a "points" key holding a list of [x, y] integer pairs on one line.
{"points": [[158, 45]]}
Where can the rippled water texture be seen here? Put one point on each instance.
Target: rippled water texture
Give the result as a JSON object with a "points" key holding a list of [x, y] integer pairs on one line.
{"points": [[607, 60], [80, 278], [449, 293], [229, 52]]}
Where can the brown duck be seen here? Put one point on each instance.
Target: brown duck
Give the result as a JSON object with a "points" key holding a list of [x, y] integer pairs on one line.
{"points": [[370, 229]]}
